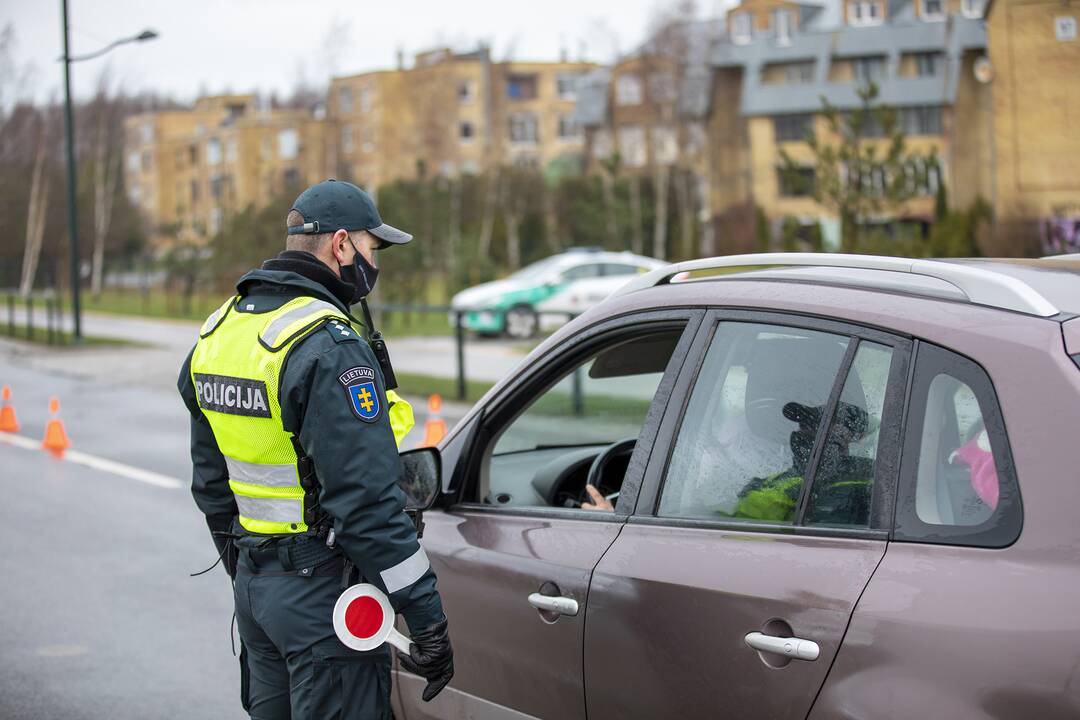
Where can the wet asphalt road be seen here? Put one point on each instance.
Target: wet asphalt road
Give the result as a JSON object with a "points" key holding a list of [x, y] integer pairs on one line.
{"points": [[99, 616]]}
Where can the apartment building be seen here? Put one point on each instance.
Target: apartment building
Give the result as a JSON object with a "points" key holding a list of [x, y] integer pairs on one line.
{"points": [[777, 61], [1034, 71], [453, 113], [187, 170]]}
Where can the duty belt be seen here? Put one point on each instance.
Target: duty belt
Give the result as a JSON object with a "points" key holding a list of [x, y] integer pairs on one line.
{"points": [[292, 555]]}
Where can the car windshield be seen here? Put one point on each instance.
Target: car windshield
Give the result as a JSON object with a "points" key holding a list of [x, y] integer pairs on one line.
{"points": [[537, 269]]}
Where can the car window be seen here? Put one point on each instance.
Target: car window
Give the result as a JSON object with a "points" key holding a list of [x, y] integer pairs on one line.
{"points": [[957, 482], [542, 456], [581, 272], [611, 269], [844, 475], [750, 424]]}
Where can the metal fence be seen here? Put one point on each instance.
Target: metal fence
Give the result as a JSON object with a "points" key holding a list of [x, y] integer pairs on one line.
{"points": [[22, 311]]}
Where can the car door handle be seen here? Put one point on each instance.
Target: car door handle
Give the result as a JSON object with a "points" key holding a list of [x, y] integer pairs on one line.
{"points": [[560, 605], [788, 647]]}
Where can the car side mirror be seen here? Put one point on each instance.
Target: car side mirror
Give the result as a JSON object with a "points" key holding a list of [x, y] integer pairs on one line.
{"points": [[422, 478]]}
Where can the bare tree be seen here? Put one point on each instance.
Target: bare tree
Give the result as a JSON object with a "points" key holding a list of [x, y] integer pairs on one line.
{"points": [[663, 66], [35, 216], [106, 175]]}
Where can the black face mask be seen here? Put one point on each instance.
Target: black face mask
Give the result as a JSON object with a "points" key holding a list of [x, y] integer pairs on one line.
{"points": [[360, 274]]}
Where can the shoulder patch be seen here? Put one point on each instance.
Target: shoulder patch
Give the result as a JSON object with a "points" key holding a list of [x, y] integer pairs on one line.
{"points": [[363, 395], [341, 332]]}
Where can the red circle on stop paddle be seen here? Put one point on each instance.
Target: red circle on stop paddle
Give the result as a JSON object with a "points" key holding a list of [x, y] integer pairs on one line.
{"points": [[364, 617]]}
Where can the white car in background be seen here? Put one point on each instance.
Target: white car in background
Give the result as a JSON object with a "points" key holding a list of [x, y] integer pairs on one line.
{"points": [[549, 292]]}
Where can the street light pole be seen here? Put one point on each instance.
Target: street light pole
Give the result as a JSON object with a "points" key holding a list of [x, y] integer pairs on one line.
{"points": [[73, 223], [72, 180]]}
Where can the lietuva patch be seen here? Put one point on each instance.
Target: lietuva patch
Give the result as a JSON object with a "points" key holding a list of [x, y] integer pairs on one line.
{"points": [[359, 383], [232, 395]]}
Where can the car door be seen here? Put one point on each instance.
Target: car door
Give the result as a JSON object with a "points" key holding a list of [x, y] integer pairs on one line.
{"points": [[761, 525], [513, 560]]}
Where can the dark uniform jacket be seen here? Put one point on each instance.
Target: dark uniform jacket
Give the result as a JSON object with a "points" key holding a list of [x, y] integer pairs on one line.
{"points": [[356, 462]]}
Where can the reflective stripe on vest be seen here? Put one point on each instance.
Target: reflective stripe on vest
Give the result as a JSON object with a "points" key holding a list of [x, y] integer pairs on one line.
{"points": [[282, 327], [236, 368], [262, 475]]}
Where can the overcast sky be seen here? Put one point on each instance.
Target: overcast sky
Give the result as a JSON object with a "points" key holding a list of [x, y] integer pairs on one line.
{"points": [[264, 45]]}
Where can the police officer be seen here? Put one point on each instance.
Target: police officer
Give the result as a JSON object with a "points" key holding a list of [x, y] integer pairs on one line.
{"points": [[296, 469]]}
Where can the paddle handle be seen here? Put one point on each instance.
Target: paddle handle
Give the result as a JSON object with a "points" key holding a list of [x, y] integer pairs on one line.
{"points": [[398, 640]]}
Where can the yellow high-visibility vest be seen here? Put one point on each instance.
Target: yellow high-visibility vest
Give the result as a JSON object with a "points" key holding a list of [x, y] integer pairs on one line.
{"points": [[236, 368]]}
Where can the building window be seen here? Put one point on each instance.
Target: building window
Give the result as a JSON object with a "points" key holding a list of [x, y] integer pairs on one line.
{"points": [[466, 131], [632, 146], [292, 177], [868, 69], [344, 99], [367, 140], [213, 151], [628, 90], [665, 145], [521, 87], [347, 138], [973, 8], [566, 86], [788, 73], [925, 120], [288, 144], [741, 28], [782, 26], [230, 150], [523, 128], [864, 12], [147, 132], [367, 99], [871, 127], [933, 9], [147, 161], [217, 187], [601, 144], [215, 220], [568, 128], [788, 128], [927, 64], [133, 161], [465, 91], [797, 182], [194, 188]]}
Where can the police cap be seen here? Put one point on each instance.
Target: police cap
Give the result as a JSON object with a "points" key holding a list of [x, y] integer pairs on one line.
{"points": [[334, 205]]}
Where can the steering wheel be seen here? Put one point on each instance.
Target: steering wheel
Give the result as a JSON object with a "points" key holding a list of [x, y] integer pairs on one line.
{"points": [[599, 465]]}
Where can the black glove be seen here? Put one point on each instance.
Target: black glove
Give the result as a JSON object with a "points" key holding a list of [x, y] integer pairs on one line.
{"points": [[431, 657]]}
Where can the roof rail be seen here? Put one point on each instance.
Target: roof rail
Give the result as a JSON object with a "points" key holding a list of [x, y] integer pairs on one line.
{"points": [[980, 286]]}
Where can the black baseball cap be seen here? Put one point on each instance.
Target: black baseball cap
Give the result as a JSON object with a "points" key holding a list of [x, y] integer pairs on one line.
{"points": [[334, 205]]}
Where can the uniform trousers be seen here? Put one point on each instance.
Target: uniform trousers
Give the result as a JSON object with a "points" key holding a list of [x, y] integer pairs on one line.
{"points": [[293, 667]]}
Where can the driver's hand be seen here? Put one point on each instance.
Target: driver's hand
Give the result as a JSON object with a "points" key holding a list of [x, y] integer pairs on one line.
{"points": [[599, 502]]}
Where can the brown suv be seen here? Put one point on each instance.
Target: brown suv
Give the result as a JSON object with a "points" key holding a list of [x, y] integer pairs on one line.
{"points": [[843, 487]]}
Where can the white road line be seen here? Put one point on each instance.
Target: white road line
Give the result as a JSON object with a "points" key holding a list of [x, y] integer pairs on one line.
{"points": [[99, 463]]}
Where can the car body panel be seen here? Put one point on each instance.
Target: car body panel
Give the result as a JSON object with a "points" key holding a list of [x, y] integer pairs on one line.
{"points": [[669, 608], [506, 656], [957, 632]]}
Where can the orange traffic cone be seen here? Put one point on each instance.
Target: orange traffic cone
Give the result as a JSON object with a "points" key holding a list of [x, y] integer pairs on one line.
{"points": [[435, 427], [56, 440], [8, 423]]}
